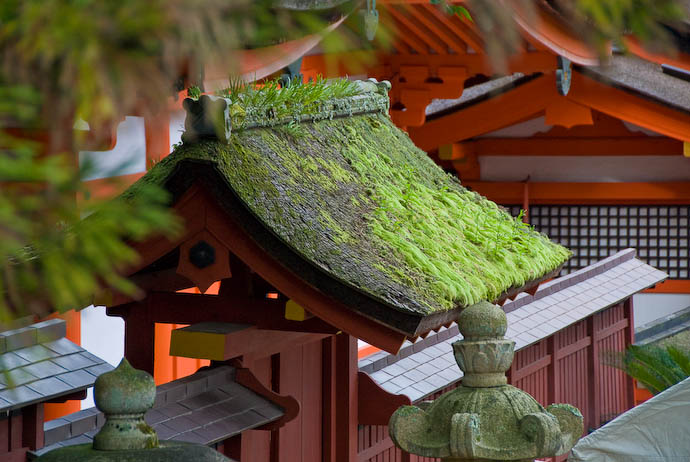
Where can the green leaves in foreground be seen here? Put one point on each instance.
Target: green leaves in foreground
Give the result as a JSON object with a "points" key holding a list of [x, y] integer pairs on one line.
{"points": [[54, 254], [654, 367]]}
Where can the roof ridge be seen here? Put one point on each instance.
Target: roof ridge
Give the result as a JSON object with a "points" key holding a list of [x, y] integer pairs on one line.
{"points": [[34, 334]]}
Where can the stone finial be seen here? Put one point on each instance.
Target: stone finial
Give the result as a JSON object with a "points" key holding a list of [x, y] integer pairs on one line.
{"points": [[484, 419], [483, 355], [124, 395]]}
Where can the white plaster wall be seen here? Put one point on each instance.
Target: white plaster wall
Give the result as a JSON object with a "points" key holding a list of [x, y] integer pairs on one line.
{"points": [[103, 336], [127, 157], [606, 169], [649, 307]]}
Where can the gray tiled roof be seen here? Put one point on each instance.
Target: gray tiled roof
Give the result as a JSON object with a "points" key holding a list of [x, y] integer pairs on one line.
{"points": [[205, 407], [37, 363], [426, 366]]}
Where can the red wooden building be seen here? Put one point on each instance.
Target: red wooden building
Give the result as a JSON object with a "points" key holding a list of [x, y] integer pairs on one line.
{"points": [[294, 225], [560, 332]]}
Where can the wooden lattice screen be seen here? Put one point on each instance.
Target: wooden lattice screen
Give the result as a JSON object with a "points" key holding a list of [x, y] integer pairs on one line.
{"points": [[658, 232]]}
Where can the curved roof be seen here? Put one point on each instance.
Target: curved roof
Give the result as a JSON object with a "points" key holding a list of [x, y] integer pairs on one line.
{"points": [[355, 200]]}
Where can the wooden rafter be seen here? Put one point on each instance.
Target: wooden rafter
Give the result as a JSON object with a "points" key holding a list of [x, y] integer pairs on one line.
{"points": [[409, 21], [456, 26], [432, 22]]}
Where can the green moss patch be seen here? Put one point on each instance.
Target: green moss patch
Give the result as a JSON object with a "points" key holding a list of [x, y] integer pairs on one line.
{"points": [[359, 200]]}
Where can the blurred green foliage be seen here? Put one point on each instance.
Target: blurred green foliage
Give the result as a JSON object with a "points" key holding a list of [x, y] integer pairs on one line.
{"points": [[94, 60]]}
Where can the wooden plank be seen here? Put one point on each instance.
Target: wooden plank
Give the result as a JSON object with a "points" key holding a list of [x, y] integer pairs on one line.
{"points": [[346, 404], [291, 375], [531, 368], [629, 340], [594, 374], [376, 449], [573, 348], [610, 330], [329, 398], [312, 397]]}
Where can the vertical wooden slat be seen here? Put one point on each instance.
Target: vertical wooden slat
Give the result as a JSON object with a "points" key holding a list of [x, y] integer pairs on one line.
{"points": [[629, 340], [329, 399], [311, 402], [290, 435], [346, 392]]}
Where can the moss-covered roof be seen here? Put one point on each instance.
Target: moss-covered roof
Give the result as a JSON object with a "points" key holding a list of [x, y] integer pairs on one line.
{"points": [[354, 197]]}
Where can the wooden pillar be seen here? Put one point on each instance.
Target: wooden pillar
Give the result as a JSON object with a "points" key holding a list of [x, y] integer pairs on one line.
{"points": [[594, 369], [629, 340], [140, 334], [346, 393], [552, 371], [32, 426], [329, 398]]}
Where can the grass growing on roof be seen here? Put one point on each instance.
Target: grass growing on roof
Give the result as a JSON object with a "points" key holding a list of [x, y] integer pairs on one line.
{"points": [[248, 101], [358, 199]]}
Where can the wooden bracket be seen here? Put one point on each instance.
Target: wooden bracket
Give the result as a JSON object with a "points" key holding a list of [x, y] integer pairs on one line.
{"points": [[290, 405], [376, 405]]}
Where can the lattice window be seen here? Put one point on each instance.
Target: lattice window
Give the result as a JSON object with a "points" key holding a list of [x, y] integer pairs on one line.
{"points": [[658, 232]]}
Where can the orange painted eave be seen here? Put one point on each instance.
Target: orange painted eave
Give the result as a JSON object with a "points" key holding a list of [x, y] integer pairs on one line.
{"points": [[553, 33], [259, 63], [678, 59]]}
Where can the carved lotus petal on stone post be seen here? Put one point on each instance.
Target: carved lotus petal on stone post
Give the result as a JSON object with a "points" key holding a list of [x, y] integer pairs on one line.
{"points": [[485, 419]]}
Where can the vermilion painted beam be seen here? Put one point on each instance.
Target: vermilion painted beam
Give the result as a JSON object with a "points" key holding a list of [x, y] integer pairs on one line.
{"points": [[585, 193], [524, 101], [671, 286], [433, 22], [629, 107], [552, 146]]}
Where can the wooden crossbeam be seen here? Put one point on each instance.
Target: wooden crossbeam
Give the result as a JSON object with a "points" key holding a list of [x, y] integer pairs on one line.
{"points": [[585, 193], [501, 111], [553, 146]]}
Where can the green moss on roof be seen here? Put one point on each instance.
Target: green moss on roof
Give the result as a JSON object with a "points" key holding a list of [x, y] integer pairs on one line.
{"points": [[359, 200]]}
